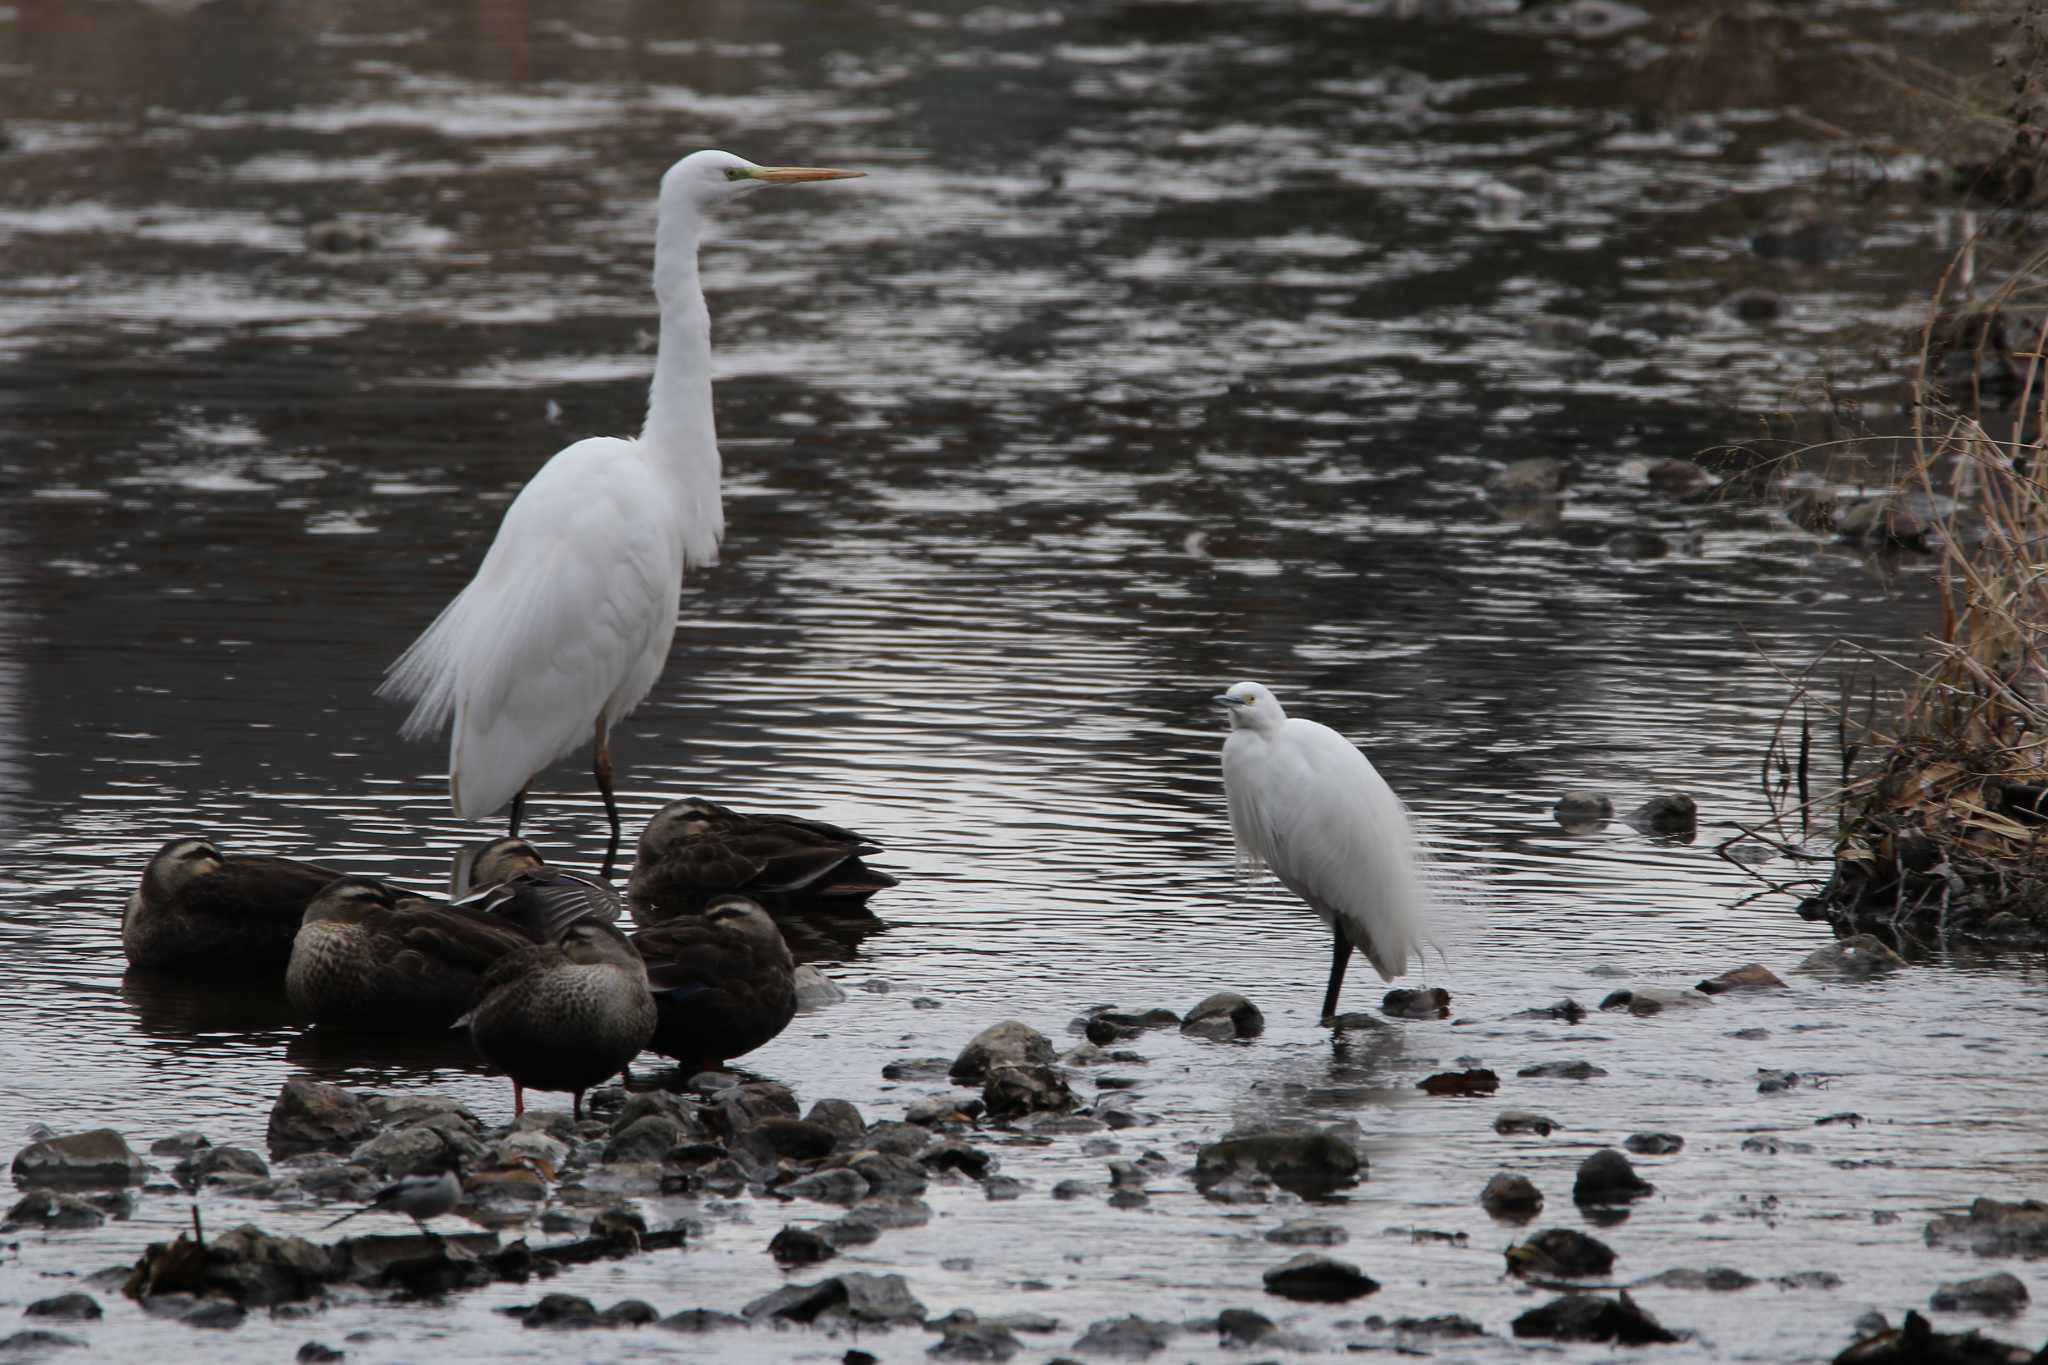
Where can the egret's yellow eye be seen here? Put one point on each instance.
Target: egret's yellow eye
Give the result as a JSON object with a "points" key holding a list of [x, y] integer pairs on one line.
{"points": [[1249, 701], [735, 173]]}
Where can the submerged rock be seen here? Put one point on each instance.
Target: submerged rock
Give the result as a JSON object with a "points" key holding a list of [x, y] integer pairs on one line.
{"points": [[1565, 1011], [67, 1308], [854, 1297], [1560, 1253], [1009, 1043], [1473, 1082], [313, 1116], [800, 1246], [1521, 1121], [1590, 1317], [1570, 1071], [1643, 1001], [1917, 1343], [219, 1165], [2000, 1293], [1653, 1144], [1306, 1232], [35, 1341], [1719, 1279], [1126, 1336], [1582, 812], [1856, 958], [1672, 813], [1300, 1161], [1402, 1003], [699, 1320], [1014, 1090], [1752, 977], [1223, 1016], [815, 990], [1607, 1177], [1993, 1227], [100, 1157], [1318, 1279], [52, 1209], [967, 1337], [1535, 477], [1511, 1196]]}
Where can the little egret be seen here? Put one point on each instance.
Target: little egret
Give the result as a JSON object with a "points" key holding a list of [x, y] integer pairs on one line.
{"points": [[568, 621], [1307, 804]]}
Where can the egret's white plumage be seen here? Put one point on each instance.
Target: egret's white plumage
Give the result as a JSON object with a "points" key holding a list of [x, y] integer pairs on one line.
{"points": [[1307, 804], [567, 624]]}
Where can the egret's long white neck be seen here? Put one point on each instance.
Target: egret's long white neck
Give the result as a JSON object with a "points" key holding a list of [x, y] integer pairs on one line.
{"points": [[680, 438]]}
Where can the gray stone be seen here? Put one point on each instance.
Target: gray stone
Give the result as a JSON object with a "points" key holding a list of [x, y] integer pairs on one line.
{"points": [[1009, 1043], [841, 1118], [2001, 1293], [52, 1209], [1560, 1253], [836, 1186], [313, 1116], [969, 1161], [182, 1143], [1405, 1003], [1719, 1279], [777, 1137], [889, 1173], [34, 1342], [800, 1246], [1673, 813], [1318, 1279], [1224, 1016], [815, 990], [857, 1298], [1126, 1337], [1606, 1177], [1752, 977], [216, 1315], [1520, 1121], [571, 1311], [69, 1308], [1570, 1071], [1856, 958], [436, 1111], [1306, 1232], [1013, 1090], [1653, 1144], [397, 1151], [1589, 1317], [98, 1158], [1538, 476], [954, 1106], [1582, 812], [1303, 1162], [1643, 1001], [220, 1166], [918, 1068], [628, 1313], [1511, 1196], [697, 1321], [966, 1337]]}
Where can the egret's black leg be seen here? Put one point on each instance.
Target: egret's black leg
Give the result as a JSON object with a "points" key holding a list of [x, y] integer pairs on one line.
{"points": [[518, 811], [1340, 958], [601, 769]]}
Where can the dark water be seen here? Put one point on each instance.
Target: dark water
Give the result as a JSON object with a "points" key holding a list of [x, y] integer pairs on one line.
{"points": [[1165, 345]]}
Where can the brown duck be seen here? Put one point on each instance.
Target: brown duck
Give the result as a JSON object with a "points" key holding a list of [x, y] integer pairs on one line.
{"points": [[693, 850], [202, 911], [724, 982], [510, 880], [372, 957], [565, 1015]]}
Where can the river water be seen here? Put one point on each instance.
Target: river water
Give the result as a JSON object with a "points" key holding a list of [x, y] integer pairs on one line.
{"points": [[1165, 345]]}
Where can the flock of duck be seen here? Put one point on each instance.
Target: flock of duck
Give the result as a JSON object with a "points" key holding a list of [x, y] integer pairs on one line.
{"points": [[530, 957]]}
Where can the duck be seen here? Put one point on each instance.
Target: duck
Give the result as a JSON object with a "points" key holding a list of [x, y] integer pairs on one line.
{"points": [[508, 879], [376, 958], [201, 911], [565, 1015], [693, 850], [724, 982]]}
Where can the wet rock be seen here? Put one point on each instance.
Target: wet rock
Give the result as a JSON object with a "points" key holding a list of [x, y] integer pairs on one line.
{"points": [[1643, 1001], [700, 1320], [856, 1297], [348, 235], [1402, 1003], [313, 1116], [917, 1069], [794, 1139], [1570, 1071], [1536, 477], [1856, 958], [1469, 1083], [1002, 1188], [2000, 1293], [1676, 478], [971, 1162], [889, 1173], [959, 1106], [1304, 1162], [531, 1148], [1995, 1228], [1847, 1117], [1808, 1279], [1752, 977], [1560, 1253], [561, 1311], [1582, 812], [1511, 1196], [86, 1308], [396, 1151], [1606, 1177], [742, 1106], [219, 1165], [1772, 1146], [1222, 1017], [1520, 1121], [1590, 1317], [181, 1143], [436, 1111], [1126, 1337], [100, 1157], [1565, 1011], [1318, 1279], [35, 1341], [1638, 545], [800, 1246], [1306, 1232], [318, 1353], [815, 990], [901, 1139], [1237, 1328], [1653, 1144], [1105, 1026], [1013, 1090], [1719, 1279], [1356, 1021], [1754, 305], [1803, 234], [836, 1186], [841, 1118], [628, 1313], [1009, 1043], [966, 1337], [1672, 813], [1772, 1082], [649, 1138], [52, 1209], [216, 1315], [1917, 1343]]}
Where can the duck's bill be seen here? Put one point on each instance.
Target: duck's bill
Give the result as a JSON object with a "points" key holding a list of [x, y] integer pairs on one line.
{"points": [[795, 175]]}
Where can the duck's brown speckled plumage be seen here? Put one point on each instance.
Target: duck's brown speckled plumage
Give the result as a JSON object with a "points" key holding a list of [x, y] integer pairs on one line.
{"points": [[693, 850], [372, 957], [565, 1016], [201, 911], [508, 878], [724, 982]]}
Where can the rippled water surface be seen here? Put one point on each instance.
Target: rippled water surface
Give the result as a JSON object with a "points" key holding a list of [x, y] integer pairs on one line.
{"points": [[1165, 345]]}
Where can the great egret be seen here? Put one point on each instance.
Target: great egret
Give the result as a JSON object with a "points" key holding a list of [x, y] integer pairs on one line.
{"points": [[200, 910], [693, 850], [1307, 804], [568, 621]]}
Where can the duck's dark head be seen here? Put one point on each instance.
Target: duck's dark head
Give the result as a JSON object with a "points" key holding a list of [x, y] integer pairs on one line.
{"points": [[588, 943], [680, 822], [177, 865], [743, 918], [488, 864], [347, 896]]}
